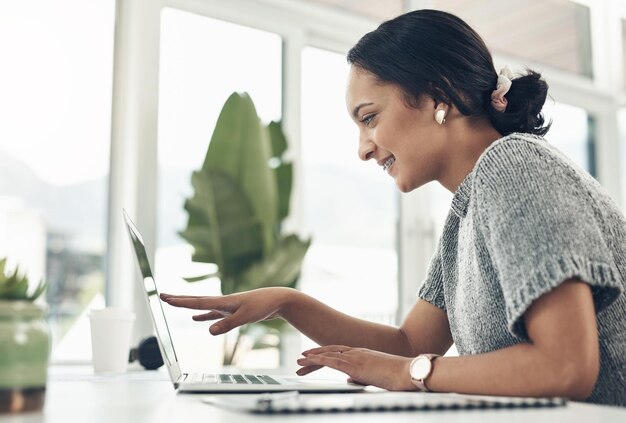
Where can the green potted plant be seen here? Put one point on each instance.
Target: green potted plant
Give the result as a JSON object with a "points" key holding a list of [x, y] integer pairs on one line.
{"points": [[24, 344], [241, 196]]}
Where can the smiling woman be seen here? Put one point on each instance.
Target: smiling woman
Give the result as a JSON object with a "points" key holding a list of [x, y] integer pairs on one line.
{"points": [[534, 308]]}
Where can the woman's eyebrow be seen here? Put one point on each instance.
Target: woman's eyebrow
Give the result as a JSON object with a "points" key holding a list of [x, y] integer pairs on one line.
{"points": [[355, 112]]}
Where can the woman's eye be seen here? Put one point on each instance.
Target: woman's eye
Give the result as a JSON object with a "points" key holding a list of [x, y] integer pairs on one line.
{"points": [[367, 119]]}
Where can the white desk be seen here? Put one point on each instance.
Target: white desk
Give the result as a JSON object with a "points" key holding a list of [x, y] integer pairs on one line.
{"points": [[149, 397]]}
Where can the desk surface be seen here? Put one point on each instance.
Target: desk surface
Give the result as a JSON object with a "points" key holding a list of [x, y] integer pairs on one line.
{"points": [[149, 397]]}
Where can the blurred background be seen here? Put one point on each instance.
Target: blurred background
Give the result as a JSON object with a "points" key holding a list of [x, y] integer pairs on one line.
{"points": [[108, 104]]}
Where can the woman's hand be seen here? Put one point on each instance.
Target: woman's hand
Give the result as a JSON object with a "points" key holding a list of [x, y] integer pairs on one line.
{"points": [[363, 366], [235, 309]]}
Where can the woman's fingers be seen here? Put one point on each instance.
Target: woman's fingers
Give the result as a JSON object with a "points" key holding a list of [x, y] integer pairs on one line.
{"points": [[164, 296], [226, 324], [364, 366], [327, 348], [221, 304], [234, 309], [308, 369], [335, 360], [198, 303], [211, 315], [329, 355]]}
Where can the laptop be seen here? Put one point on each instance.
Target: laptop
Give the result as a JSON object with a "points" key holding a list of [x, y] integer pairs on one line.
{"points": [[213, 382]]}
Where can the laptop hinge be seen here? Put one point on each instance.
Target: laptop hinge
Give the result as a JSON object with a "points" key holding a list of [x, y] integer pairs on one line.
{"points": [[180, 380]]}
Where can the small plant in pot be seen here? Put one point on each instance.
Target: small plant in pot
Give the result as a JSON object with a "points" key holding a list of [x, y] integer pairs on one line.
{"points": [[24, 343]]}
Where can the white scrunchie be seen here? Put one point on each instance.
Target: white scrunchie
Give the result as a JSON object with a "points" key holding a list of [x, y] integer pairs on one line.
{"points": [[498, 101]]}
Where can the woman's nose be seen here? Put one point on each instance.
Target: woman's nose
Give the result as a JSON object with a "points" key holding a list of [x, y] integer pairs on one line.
{"points": [[366, 150]]}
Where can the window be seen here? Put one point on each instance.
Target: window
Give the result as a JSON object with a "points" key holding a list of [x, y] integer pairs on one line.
{"points": [[350, 206], [554, 32], [203, 61], [54, 154], [372, 8], [572, 133]]}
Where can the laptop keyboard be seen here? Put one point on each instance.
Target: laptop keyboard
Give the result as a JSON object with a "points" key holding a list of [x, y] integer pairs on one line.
{"points": [[199, 378]]}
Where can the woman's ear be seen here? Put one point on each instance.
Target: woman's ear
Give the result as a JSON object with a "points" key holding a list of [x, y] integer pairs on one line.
{"points": [[441, 110], [440, 116]]}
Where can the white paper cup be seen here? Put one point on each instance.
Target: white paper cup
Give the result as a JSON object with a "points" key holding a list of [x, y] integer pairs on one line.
{"points": [[111, 329]]}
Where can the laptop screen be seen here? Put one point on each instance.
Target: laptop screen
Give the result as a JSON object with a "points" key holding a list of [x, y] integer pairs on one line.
{"points": [[156, 307]]}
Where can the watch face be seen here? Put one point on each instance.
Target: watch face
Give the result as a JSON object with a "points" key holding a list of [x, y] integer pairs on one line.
{"points": [[420, 368]]}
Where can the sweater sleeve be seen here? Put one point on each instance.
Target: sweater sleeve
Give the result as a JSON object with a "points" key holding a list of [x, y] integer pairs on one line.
{"points": [[541, 227], [432, 287]]}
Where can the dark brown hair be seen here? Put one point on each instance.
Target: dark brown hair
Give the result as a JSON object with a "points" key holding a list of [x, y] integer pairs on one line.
{"points": [[434, 53]]}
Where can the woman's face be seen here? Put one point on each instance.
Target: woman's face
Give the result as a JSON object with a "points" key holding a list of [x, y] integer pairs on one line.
{"points": [[406, 142]]}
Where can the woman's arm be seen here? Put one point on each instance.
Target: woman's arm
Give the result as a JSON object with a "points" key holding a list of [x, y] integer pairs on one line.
{"points": [[425, 329], [562, 358], [426, 324]]}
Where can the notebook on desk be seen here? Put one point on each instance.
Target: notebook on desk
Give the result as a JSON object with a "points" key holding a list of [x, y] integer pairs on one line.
{"points": [[213, 381], [293, 402]]}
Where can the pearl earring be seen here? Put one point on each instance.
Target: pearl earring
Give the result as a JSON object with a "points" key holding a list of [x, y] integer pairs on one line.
{"points": [[440, 116]]}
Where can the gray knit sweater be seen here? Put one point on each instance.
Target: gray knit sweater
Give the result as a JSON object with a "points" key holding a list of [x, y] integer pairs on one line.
{"points": [[522, 222]]}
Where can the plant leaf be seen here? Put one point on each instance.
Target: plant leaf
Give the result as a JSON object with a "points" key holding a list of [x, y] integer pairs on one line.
{"points": [[200, 240], [284, 177], [203, 217], [41, 287], [232, 229], [279, 142], [284, 171], [280, 268], [201, 277], [240, 147], [14, 286]]}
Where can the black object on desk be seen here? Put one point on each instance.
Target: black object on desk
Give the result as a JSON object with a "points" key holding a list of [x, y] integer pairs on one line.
{"points": [[147, 353]]}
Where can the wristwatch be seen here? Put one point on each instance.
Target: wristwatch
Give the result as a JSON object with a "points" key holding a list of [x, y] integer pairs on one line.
{"points": [[420, 368]]}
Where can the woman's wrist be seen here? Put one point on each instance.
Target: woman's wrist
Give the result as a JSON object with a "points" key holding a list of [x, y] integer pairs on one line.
{"points": [[290, 298]]}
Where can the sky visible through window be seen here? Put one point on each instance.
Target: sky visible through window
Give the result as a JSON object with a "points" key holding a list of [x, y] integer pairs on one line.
{"points": [[56, 87]]}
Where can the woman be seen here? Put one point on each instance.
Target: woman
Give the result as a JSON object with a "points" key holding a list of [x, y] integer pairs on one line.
{"points": [[528, 276]]}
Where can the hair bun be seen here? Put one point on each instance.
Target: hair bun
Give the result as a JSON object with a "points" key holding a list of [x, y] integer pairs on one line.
{"points": [[525, 98]]}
